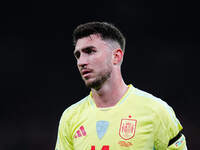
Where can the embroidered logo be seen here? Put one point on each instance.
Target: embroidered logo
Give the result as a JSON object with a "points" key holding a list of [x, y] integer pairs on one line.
{"points": [[80, 132], [101, 128], [127, 128], [125, 144]]}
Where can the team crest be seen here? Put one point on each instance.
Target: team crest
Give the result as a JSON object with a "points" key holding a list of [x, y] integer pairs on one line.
{"points": [[127, 128]]}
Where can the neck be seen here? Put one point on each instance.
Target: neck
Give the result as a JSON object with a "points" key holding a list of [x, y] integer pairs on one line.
{"points": [[110, 92]]}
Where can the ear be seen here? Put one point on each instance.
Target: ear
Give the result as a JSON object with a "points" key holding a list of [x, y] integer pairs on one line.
{"points": [[117, 56]]}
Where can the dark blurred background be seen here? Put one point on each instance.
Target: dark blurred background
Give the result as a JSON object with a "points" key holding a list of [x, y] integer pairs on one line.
{"points": [[38, 74]]}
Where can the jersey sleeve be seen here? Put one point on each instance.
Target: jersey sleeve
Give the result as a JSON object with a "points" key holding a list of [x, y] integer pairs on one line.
{"points": [[179, 144], [64, 138], [167, 128]]}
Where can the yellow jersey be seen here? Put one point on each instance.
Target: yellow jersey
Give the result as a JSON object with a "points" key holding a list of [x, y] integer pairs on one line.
{"points": [[139, 121]]}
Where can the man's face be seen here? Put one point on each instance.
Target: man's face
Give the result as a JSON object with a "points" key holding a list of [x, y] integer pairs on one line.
{"points": [[94, 60]]}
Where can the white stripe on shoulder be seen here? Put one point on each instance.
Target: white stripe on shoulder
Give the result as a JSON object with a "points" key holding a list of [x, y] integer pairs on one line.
{"points": [[169, 109], [143, 93], [163, 103]]}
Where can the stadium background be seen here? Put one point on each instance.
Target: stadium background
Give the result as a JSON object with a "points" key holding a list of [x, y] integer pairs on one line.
{"points": [[38, 74]]}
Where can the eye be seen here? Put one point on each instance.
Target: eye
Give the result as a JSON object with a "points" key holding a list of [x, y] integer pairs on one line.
{"points": [[89, 50], [77, 54]]}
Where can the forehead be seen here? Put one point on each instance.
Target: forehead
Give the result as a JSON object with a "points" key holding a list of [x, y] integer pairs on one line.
{"points": [[94, 40]]}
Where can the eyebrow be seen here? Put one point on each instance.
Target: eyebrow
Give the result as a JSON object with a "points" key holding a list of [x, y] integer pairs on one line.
{"points": [[85, 48]]}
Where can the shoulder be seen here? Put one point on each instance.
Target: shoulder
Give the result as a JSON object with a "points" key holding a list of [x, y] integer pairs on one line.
{"points": [[160, 107], [76, 109], [163, 112], [149, 99]]}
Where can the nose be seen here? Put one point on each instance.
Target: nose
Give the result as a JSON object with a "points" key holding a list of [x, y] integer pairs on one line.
{"points": [[82, 61]]}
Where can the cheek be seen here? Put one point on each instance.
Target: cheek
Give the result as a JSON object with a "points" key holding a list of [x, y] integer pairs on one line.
{"points": [[103, 60], [106, 64], [109, 60], [97, 60]]}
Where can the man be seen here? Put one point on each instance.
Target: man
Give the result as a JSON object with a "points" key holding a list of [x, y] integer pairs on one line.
{"points": [[114, 115]]}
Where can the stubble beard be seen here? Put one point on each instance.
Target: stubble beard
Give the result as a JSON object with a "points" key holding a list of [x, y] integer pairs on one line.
{"points": [[99, 81]]}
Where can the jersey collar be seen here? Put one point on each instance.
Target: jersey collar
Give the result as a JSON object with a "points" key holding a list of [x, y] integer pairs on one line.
{"points": [[122, 100]]}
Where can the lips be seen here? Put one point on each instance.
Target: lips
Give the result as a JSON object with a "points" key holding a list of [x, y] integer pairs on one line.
{"points": [[85, 72]]}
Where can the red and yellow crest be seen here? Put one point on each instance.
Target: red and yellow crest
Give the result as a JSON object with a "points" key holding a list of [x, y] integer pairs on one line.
{"points": [[127, 128]]}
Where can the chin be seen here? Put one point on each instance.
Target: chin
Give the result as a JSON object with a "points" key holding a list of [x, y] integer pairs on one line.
{"points": [[95, 84], [89, 83]]}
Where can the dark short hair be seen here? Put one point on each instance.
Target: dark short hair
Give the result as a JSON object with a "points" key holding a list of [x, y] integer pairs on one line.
{"points": [[107, 31]]}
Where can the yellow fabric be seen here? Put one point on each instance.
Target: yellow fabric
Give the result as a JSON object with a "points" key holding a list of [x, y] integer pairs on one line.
{"points": [[139, 121]]}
